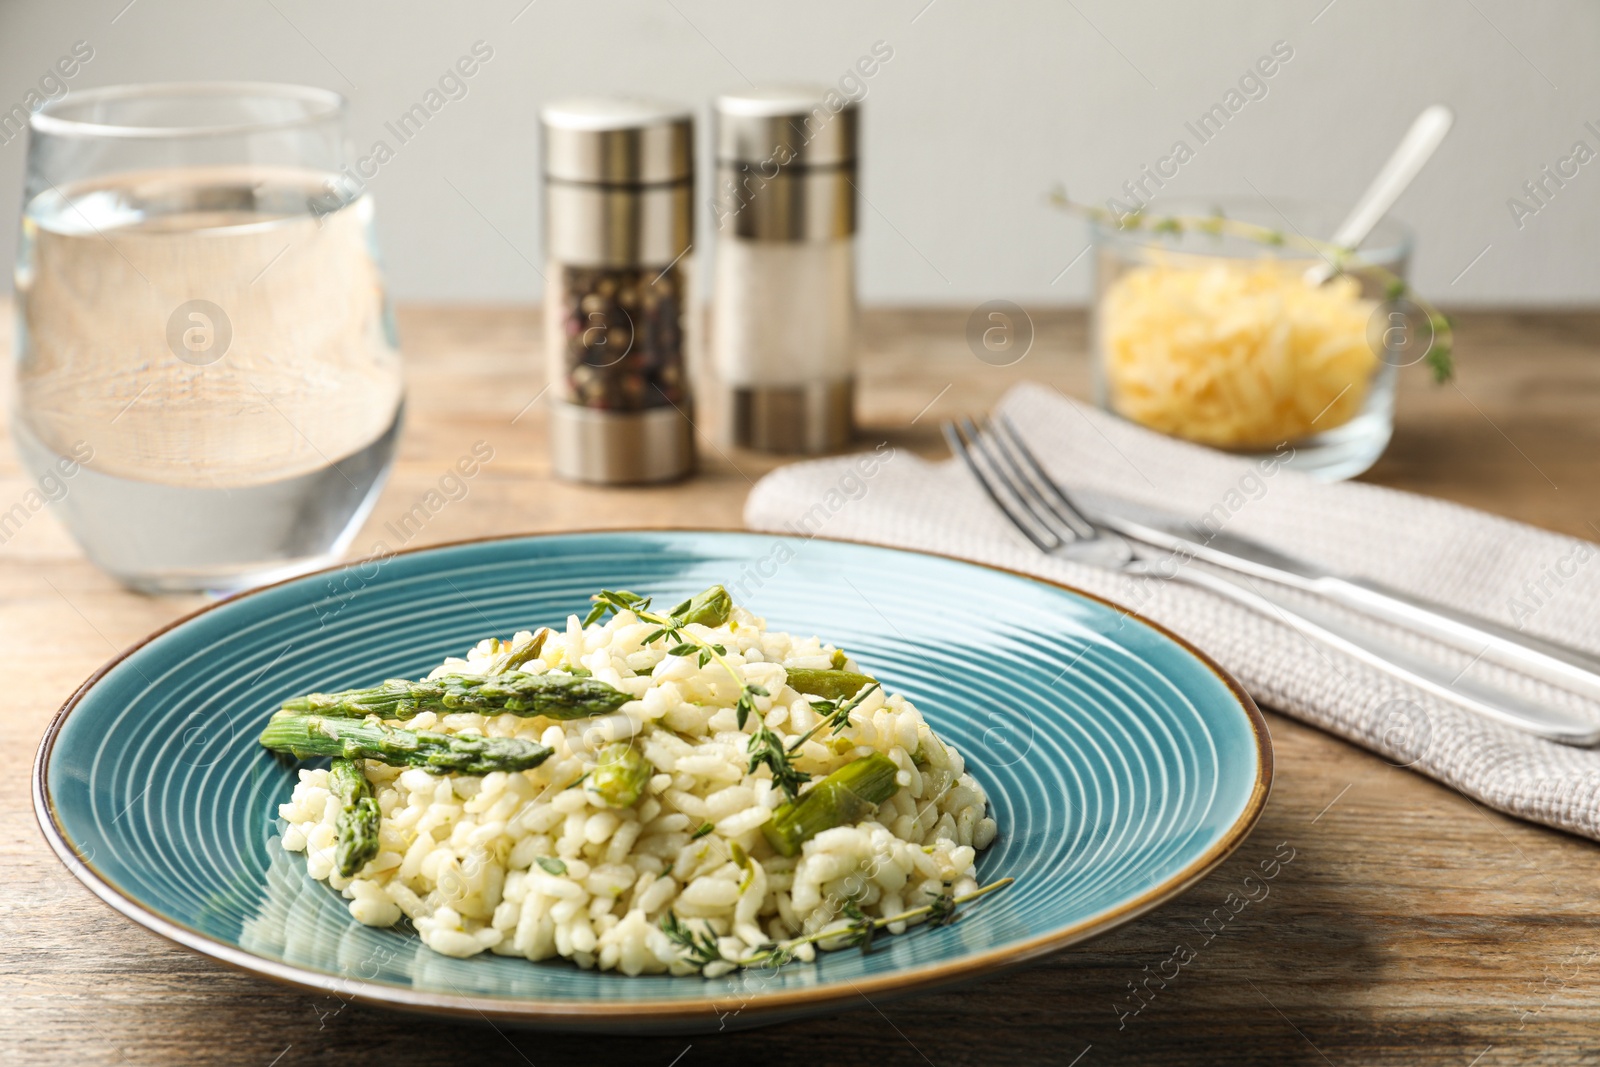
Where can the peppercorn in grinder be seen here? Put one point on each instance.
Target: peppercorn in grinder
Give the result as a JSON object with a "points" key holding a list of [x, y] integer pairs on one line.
{"points": [[618, 224]]}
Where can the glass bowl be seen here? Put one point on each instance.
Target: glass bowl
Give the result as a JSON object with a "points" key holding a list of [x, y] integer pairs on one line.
{"points": [[1217, 338]]}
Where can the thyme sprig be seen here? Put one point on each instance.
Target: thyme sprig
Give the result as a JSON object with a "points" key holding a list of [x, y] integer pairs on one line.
{"points": [[699, 946], [861, 929], [942, 912], [835, 715], [1440, 354], [700, 949], [765, 747]]}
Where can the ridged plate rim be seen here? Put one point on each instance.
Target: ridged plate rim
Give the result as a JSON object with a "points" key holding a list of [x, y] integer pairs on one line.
{"points": [[578, 1012]]}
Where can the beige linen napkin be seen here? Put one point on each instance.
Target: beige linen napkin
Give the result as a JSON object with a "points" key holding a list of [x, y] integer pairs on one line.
{"points": [[1546, 584]]}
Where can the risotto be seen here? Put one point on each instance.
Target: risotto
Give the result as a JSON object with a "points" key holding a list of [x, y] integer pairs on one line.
{"points": [[752, 795]]}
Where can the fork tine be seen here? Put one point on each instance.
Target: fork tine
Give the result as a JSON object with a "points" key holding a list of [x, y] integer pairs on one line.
{"points": [[1000, 491], [1056, 496], [1003, 464], [958, 446]]}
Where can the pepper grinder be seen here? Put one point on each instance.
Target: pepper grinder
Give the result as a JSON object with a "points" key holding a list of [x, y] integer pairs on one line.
{"points": [[618, 224], [783, 317]]}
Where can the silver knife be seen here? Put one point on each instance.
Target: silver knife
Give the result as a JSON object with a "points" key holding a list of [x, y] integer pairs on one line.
{"points": [[1530, 714], [1548, 661]]}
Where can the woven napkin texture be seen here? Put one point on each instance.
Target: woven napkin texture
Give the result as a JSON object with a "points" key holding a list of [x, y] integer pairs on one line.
{"points": [[1543, 583]]}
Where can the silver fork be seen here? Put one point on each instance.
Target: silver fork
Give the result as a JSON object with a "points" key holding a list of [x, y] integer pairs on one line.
{"points": [[1045, 514], [1017, 483]]}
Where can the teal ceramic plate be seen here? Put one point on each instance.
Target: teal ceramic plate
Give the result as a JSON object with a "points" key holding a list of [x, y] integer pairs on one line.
{"points": [[1121, 764]]}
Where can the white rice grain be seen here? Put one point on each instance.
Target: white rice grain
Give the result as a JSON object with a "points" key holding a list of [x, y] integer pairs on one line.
{"points": [[522, 864]]}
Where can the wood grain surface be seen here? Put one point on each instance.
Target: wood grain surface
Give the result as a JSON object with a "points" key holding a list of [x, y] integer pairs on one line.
{"points": [[1411, 926]]}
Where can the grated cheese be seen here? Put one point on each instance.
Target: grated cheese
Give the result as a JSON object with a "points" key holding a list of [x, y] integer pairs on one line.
{"points": [[1235, 354]]}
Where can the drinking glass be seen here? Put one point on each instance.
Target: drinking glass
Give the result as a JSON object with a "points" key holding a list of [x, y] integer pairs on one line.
{"points": [[206, 358]]}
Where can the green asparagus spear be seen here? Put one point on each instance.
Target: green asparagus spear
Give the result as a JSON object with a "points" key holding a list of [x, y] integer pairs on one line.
{"points": [[620, 775], [555, 696], [709, 608], [316, 735], [518, 657], [358, 818], [830, 685], [846, 796]]}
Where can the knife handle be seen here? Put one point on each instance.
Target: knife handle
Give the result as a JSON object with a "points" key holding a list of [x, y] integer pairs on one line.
{"points": [[1548, 661], [1557, 664], [1489, 701]]}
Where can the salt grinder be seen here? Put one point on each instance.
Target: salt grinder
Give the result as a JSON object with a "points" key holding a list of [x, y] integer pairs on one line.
{"points": [[783, 315]]}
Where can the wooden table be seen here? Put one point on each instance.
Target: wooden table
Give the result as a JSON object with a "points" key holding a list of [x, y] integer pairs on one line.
{"points": [[1412, 925]]}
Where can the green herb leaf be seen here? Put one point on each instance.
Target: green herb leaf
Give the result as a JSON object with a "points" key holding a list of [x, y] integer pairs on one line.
{"points": [[861, 928], [1441, 362], [772, 955], [699, 946], [746, 706], [615, 600], [767, 748], [703, 829], [943, 909], [551, 865], [835, 715]]}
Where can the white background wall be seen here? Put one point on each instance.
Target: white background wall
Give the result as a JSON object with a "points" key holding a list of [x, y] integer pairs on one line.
{"points": [[982, 109]]}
